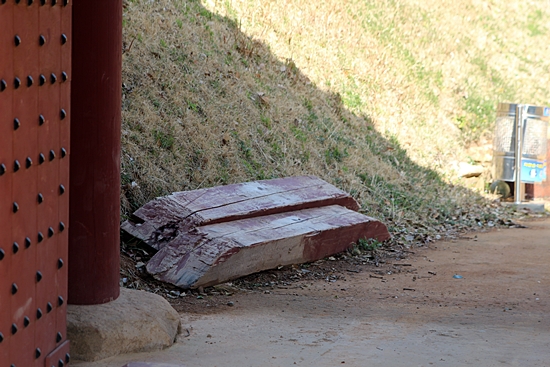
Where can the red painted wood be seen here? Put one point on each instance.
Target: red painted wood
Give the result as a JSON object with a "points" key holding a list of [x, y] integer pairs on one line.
{"points": [[246, 225], [63, 175], [94, 236], [216, 253], [61, 353], [305, 188], [24, 185], [158, 221], [30, 42], [6, 159], [48, 172]]}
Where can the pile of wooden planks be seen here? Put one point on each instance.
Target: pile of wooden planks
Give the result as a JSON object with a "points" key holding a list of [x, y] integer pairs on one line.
{"points": [[209, 236]]}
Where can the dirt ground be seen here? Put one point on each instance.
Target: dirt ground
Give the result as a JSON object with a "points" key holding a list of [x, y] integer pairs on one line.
{"points": [[403, 312]]}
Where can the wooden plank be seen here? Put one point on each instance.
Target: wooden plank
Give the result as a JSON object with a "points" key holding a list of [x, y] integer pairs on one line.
{"points": [[24, 184], [48, 171], [62, 189], [162, 219], [6, 177], [216, 253]]}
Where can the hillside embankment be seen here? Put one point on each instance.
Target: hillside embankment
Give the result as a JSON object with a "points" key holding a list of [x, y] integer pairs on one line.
{"points": [[384, 99]]}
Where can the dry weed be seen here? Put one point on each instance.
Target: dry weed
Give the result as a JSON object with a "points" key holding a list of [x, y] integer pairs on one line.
{"points": [[375, 97]]}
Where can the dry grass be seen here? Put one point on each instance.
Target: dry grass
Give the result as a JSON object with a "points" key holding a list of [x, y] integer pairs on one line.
{"points": [[378, 97], [417, 68]]}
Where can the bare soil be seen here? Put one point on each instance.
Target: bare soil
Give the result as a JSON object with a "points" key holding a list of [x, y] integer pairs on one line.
{"points": [[403, 312]]}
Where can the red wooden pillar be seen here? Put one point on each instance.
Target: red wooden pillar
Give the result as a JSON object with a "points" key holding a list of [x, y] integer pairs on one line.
{"points": [[94, 235]]}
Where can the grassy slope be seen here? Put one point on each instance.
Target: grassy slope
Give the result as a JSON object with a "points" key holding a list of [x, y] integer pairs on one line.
{"points": [[376, 97]]}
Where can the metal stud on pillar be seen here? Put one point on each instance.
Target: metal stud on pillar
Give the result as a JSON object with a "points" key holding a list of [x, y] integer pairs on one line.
{"points": [[96, 81]]}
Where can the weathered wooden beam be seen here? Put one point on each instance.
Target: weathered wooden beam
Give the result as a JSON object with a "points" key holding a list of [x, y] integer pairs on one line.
{"points": [[161, 220], [215, 253]]}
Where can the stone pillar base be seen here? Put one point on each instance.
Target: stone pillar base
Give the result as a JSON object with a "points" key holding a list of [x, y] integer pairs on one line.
{"points": [[137, 321]]}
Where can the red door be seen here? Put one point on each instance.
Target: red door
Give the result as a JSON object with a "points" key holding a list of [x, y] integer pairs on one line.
{"points": [[35, 72]]}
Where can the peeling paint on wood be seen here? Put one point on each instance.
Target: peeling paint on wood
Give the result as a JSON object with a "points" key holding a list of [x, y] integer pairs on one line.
{"points": [[161, 220], [220, 252], [209, 236]]}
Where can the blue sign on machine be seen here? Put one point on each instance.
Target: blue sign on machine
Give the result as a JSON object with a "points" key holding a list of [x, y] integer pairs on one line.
{"points": [[532, 170]]}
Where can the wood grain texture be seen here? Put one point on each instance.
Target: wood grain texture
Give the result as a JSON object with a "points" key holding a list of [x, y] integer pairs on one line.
{"points": [[163, 219], [216, 253], [209, 236]]}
